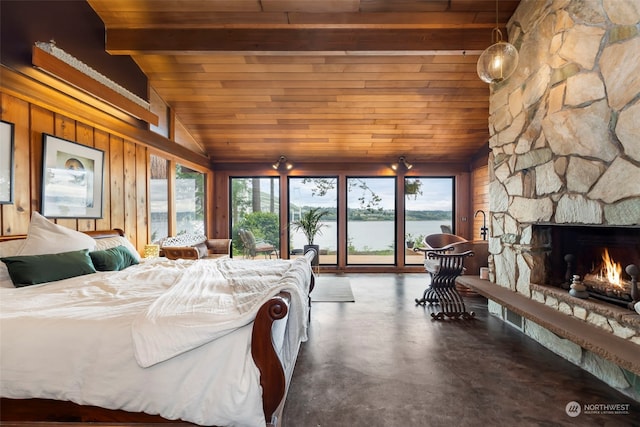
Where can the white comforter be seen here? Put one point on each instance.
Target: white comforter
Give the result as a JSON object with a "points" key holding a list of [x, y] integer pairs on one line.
{"points": [[163, 337]]}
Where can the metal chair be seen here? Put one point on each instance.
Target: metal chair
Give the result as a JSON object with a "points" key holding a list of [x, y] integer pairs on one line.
{"points": [[444, 266]]}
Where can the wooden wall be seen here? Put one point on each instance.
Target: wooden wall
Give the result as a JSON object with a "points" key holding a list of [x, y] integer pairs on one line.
{"points": [[125, 177], [35, 110], [479, 198]]}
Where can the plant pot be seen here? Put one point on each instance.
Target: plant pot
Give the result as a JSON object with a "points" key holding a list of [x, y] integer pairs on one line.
{"points": [[316, 259], [410, 245]]}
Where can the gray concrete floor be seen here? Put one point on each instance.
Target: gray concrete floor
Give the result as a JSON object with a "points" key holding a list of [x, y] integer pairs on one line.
{"points": [[382, 361]]}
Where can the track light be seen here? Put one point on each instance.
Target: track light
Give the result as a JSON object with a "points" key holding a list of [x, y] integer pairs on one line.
{"points": [[282, 163], [402, 163]]}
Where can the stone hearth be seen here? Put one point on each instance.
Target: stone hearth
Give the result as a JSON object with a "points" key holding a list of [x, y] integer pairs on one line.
{"points": [[565, 147]]}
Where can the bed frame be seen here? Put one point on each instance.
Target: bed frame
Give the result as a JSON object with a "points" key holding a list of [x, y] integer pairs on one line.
{"points": [[274, 377]]}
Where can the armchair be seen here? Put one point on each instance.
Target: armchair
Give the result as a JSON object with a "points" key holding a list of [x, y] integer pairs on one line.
{"points": [[251, 246], [194, 247]]}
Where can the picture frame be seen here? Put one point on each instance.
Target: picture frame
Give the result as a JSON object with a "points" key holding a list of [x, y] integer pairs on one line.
{"points": [[72, 179], [6, 162]]}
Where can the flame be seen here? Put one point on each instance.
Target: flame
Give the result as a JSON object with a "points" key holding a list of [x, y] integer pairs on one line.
{"points": [[610, 269]]}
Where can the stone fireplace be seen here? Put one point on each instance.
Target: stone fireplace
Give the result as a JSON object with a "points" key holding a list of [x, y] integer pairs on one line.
{"points": [[599, 257], [565, 163]]}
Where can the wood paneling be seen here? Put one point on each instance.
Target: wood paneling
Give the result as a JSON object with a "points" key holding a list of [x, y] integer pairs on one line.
{"points": [[125, 176], [479, 198], [318, 81], [15, 217]]}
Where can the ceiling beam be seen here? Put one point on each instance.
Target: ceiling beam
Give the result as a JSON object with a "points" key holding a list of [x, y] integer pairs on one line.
{"points": [[128, 41]]}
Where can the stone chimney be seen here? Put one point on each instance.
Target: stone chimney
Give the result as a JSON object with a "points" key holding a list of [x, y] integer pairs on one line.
{"points": [[565, 132], [565, 127]]}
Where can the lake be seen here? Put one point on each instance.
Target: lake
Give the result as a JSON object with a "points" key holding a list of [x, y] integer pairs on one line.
{"points": [[371, 235]]}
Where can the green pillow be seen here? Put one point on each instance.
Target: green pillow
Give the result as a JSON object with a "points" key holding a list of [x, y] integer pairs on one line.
{"points": [[112, 259], [33, 269]]}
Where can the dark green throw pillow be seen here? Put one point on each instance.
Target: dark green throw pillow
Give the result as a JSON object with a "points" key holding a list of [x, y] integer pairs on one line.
{"points": [[113, 259], [33, 269]]}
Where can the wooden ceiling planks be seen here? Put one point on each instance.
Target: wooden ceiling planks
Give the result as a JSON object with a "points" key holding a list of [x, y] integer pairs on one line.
{"points": [[356, 80]]}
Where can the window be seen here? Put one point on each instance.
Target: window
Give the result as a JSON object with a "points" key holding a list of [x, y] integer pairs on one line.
{"points": [[159, 198], [428, 210], [189, 201], [371, 220], [319, 195], [255, 208]]}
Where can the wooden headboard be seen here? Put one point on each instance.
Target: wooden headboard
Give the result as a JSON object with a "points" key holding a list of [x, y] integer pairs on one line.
{"points": [[96, 234]]}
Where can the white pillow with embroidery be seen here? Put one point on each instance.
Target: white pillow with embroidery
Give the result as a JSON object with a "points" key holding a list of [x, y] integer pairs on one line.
{"points": [[183, 240], [45, 237]]}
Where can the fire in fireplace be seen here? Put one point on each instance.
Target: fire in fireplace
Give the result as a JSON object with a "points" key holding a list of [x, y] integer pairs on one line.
{"points": [[605, 281], [605, 258]]}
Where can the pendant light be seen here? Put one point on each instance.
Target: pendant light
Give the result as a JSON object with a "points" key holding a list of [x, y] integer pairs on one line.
{"points": [[499, 60]]}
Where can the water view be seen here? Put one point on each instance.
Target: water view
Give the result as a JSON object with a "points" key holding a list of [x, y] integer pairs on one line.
{"points": [[369, 235]]}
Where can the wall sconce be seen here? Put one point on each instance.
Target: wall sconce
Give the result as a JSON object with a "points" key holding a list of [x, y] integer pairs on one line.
{"points": [[499, 60], [282, 163], [402, 163]]}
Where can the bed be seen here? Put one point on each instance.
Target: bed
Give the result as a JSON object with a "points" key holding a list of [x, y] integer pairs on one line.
{"points": [[221, 334]]}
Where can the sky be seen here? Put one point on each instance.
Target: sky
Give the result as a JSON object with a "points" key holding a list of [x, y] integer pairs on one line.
{"points": [[436, 194]]}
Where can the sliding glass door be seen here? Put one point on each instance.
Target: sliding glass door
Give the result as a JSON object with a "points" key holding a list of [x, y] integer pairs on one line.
{"points": [[308, 197], [255, 217], [428, 210], [371, 220]]}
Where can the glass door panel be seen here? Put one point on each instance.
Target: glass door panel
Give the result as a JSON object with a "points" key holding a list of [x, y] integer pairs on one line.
{"points": [[428, 210], [255, 217], [309, 196], [371, 220], [158, 198], [190, 201]]}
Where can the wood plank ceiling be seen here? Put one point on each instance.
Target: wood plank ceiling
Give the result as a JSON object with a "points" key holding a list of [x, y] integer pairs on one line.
{"points": [[316, 80]]}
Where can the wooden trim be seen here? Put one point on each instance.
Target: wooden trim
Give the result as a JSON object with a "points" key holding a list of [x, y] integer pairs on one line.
{"points": [[134, 41], [60, 69]]}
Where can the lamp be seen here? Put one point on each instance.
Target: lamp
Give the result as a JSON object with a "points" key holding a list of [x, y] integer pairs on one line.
{"points": [[499, 60], [151, 251], [282, 163], [402, 161]]}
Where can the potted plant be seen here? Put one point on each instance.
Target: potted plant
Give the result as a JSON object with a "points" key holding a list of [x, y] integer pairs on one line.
{"points": [[410, 240], [311, 226], [412, 188]]}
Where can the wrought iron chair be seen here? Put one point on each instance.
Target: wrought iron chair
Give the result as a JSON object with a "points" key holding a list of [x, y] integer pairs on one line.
{"points": [[444, 266]]}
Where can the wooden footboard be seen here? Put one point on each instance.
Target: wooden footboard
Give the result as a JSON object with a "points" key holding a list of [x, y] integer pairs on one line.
{"points": [[272, 374]]}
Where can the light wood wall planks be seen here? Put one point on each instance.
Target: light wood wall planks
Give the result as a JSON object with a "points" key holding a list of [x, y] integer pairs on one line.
{"points": [[125, 178], [479, 198]]}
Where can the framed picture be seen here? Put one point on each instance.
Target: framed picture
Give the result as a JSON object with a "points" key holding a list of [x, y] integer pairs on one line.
{"points": [[72, 179], [6, 162]]}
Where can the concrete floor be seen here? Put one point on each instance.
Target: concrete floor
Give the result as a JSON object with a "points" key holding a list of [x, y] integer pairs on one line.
{"points": [[382, 361]]}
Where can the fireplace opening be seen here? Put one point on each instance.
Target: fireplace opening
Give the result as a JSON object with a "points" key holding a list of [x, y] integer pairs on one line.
{"points": [[600, 256]]}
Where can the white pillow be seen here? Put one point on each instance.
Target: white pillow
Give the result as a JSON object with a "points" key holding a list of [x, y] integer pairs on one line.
{"points": [[112, 242], [11, 247], [8, 248], [45, 237]]}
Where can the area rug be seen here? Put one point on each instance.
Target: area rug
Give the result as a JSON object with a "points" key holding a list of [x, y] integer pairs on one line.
{"points": [[332, 289]]}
